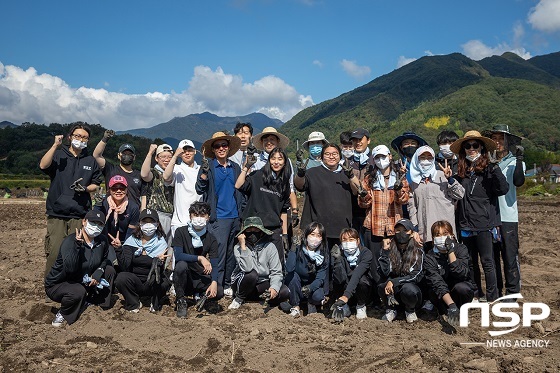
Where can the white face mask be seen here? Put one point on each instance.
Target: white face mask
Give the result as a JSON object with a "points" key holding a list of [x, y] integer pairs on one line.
{"points": [[426, 164], [473, 158], [439, 244], [350, 247], [93, 230], [79, 144], [198, 222], [348, 153], [445, 150], [313, 242], [382, 162], [148, 229]]}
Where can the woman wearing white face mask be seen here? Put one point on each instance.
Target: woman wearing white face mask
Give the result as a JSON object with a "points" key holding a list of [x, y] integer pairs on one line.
{"points": [[434, 193], [448, 273], [478, 210], [351, 275], [81, 271], [141, 260], [307, 269], [196, 259]]}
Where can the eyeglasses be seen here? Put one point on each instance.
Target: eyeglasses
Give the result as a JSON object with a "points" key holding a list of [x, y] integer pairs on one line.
{"points": [[224, 145], [166, 158], [331, 155], [80, 137], [471, 145]]}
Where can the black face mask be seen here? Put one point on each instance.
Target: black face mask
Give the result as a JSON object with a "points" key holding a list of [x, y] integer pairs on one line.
{"points": [[402, 237], [409, 151], [127, 159], [252, 237]]}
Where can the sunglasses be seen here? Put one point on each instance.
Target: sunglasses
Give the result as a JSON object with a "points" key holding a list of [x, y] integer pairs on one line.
{"points": [[471, 145], [224, 145], [118, 188]]}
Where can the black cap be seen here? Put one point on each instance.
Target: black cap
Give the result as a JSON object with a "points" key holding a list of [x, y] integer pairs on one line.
{"points": [[127, 147], [359, 133], [95, 216], [149, 213], [407, 224]]}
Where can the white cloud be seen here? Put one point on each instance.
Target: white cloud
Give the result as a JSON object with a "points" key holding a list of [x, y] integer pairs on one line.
{"points": [[477, 50], [545, 16], [26, 95], [404, 61], [353, 69], [318, 63]]}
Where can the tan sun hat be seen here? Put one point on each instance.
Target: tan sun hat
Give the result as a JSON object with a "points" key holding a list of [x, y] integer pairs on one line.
{"points": [[473, 135], [234, 144], [283, 140]]}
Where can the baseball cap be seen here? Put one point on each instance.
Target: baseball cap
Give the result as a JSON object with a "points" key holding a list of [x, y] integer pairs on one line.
{"points": [[149, 213], [184, 143], [118, 179], [380, 149], [95, 216], [164, 148], [407, 224], [124, 147], [359, 133]]}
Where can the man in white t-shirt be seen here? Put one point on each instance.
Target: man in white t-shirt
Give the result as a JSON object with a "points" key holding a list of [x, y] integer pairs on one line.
{"points": [[183, 177]]}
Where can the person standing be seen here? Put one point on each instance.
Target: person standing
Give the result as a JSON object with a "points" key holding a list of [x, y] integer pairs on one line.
{"points": [[126, 156], [513, 168], [314, 145], [362, 162], [216, 183], [245, 133], [74, 174]]}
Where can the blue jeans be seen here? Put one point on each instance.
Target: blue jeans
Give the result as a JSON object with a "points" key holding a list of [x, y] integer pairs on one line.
{"points": [[225, 230]]}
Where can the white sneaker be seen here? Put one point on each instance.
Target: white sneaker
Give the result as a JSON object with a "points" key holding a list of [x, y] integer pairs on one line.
{"points": [[428, 306], [235, 304], [361, 312], [390, 315], [228, 292], [411, 317], [294, 312], [58, 320], [311, 308], [172, 290], [137, 309]]}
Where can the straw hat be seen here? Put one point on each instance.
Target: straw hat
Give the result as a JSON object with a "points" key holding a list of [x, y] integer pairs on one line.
{"points": [[283, 140], [234, 144], [473, 135]]}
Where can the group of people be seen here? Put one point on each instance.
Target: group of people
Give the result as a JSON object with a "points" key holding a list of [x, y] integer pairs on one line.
{"points": [[394, 233]]}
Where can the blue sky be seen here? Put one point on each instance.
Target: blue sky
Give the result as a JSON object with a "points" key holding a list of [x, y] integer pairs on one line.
{"points": [[128, 64]]}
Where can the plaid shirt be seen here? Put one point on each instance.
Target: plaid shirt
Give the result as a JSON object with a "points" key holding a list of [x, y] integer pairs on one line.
{"points": [[383, 209]]}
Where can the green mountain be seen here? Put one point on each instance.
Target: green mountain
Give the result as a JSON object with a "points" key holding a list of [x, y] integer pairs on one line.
{"points": [[448, 92]]}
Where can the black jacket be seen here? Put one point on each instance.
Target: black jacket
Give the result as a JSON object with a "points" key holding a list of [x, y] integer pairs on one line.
{"points": [[185, 251], [139, 265], [442, 275], [355, 274], [479, 209], [414, 274], [62, 201], [76, 258]]}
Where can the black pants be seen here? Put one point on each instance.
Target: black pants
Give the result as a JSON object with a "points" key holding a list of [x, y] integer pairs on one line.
{"points": [[245, 287], [375, 245], [276, 239], [481, 245], [461, 293], [341, 278], [73, 295], [296, 296], [225, 230], [508, 251], [409, 295], [132, 287], [188, 281]]}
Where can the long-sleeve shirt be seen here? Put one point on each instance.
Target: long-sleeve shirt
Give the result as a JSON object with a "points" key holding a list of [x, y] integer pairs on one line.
{"points": [[263, 258], [442, 275], [308, 271], [414, 274], [514, 171], [184, 250]]}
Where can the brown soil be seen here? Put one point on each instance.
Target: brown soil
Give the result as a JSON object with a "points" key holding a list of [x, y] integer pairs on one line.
{"points": [[251, 339]]}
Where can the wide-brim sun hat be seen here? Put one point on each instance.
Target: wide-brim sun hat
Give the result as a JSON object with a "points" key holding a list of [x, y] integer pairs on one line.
{"points": [[254, 221], [473, 135], [283, 140], [500, 128], [396, 143], [315, 136], [234, 144]]}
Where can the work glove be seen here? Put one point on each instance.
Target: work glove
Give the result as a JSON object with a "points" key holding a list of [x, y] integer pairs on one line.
{"points": [[251, 160], [265, 296], [306, 291], [302, 167], [205, 166], [251, 149], [154, 276], [299, 156], [453, 314], [285, 244], [335, 252], [108, 134], [361, 191], [338, 310], [450, 245], [295, 219], [519, 151], [347, 169], [398, 184], [200, 304], [391, 301], [493, 158], [77, 187]]}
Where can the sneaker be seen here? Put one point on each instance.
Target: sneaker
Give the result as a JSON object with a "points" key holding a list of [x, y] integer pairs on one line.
{"points": [[182, 308], [311, 308], [137, 309], [285, 306], [361, 312], [346, 309], [58, 320], [390, 315], [228, 292], [411, 317], [294, 312], [235, 304], [197, 296], [153, 309], [428, 306], [482, 300]]}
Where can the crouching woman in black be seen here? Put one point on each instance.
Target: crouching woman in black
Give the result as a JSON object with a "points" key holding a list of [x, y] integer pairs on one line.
{"points": [[196, 259], [351, 275], [401, 270], [447, 272], [307, 267], [81, 273], [141, 261]]}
